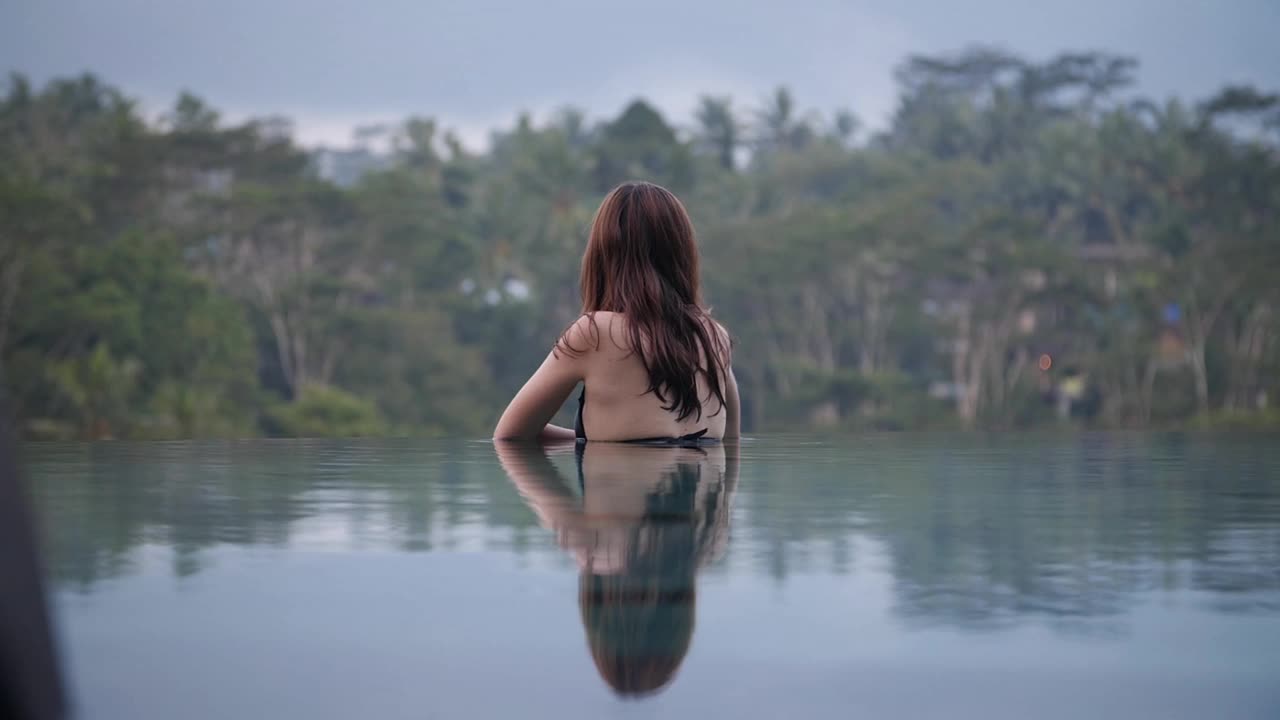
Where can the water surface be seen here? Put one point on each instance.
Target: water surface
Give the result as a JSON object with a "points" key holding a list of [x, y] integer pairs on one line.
{"points": [[902, 576]]}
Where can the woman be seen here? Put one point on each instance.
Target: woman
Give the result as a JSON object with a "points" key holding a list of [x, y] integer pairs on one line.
{"points": [[646, 522], [656, 364]]}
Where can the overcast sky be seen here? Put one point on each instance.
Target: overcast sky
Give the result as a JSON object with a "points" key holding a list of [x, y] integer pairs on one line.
{"points": [[331, 65]]}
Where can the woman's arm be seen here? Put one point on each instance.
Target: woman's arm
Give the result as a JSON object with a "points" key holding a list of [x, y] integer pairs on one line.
{"points": [[732, 421], [530, 411], [733, 417], [540, 483], [556, 434]]}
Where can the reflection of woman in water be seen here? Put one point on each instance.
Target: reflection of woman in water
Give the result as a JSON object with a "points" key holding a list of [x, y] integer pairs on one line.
{"points": [[648, 519]]}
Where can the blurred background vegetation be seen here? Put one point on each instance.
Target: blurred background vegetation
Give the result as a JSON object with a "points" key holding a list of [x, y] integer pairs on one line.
{"points": [[1027, 243]]}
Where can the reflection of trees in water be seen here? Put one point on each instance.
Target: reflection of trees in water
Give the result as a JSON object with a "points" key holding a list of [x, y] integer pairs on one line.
{"points": [[976, 533], [985, 535], [1243, 560], [100, 503]]}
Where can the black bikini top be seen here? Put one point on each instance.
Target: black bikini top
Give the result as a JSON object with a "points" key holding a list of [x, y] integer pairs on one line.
{"points": [[691, 440]]}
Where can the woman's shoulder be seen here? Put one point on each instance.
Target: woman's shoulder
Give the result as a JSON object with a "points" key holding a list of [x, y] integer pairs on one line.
{"points": [[610, 331], [720, 335], [599, 324], [720, 330], [593, 332]]}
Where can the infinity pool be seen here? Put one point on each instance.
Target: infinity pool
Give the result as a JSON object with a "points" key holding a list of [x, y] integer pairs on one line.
{"points": [[1090, 576]]}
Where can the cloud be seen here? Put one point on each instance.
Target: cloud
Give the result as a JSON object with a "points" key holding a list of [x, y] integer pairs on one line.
{"points": [[475, 64]]}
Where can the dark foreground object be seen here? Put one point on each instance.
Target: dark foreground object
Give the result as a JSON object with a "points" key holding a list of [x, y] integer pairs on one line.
{"points": [[29, 685]]}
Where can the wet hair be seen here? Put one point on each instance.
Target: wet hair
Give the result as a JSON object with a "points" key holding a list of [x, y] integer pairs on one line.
{"points": [[642, 262]]}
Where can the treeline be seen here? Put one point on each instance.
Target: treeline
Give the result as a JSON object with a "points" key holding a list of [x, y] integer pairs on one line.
{"points": [[1026, 243]]}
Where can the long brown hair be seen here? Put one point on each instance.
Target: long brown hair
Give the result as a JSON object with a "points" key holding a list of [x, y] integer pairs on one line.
{"points": [[642, 261]]}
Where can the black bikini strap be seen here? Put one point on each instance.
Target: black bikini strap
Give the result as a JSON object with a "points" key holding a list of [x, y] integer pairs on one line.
{"points": [[580, 430]]}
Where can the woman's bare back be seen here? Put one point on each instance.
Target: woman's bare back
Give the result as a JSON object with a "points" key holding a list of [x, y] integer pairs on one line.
{"points": [[617, 405]]}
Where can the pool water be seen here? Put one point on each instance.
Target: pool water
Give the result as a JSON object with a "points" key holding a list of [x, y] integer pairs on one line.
{"points": [[1133, 576]]}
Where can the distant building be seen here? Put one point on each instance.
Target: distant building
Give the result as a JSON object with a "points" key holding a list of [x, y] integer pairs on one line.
{"points": [[344, 168]]}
